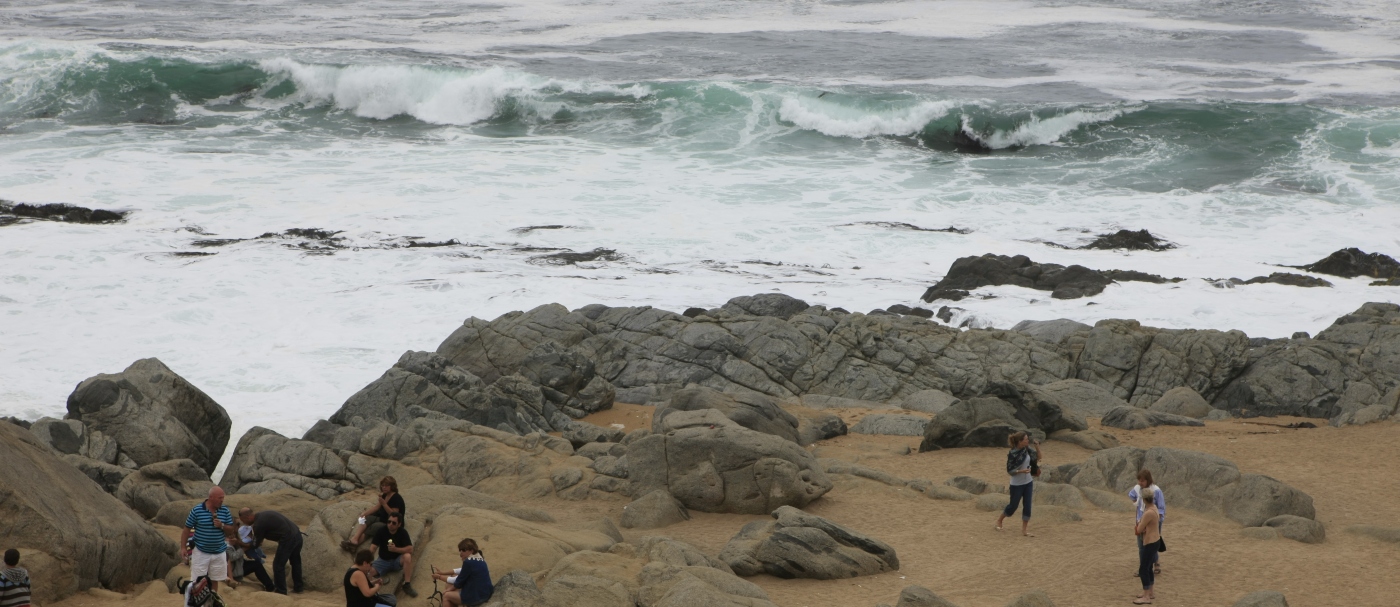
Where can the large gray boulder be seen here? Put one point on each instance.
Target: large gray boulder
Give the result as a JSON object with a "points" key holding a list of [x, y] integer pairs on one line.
{"points": [[1198, 481], [1345, 368], [1132, 418], [987, 421], [1357, 407], [1298, 529], [726, 469], [652, 511], [158, 484], [567, 379], [984, 421], [71, 437], [84, 537], [800, 545], [1079, 396], [153, 415], [751, 410], [1182, 401]]}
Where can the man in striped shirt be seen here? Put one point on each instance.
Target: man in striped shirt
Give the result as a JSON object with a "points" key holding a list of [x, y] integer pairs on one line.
{"points": [[210, 522]]}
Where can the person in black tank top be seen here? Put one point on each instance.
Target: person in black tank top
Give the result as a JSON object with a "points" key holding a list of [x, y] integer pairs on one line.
{"points": [[359, 592]]}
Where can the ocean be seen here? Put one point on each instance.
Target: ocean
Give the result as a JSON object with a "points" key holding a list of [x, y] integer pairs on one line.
{"points": [[284, 163]]}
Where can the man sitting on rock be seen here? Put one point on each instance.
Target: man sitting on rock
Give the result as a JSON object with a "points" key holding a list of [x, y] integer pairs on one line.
{"points": [[272, 525], [14, 582], [209, 521], [394, 551]]}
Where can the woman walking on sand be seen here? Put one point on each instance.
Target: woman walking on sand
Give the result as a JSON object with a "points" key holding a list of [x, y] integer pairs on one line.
{"points": [[1020, 462], [1147, 530]]}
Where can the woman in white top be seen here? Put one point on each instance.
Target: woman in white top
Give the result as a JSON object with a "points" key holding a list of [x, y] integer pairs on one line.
{"points": [[1020, 462]]}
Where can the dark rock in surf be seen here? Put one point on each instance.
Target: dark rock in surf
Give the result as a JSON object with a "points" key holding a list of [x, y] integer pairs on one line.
{"points": [[1353, 262], [11, 212], [1141, 240], [569, 258], [1063, 282], [908, 311]]}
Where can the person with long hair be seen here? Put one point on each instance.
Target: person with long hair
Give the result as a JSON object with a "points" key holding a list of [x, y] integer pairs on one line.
{"points": [[1148, 537], [471, 584], [1021, 461], [1141, 493]]}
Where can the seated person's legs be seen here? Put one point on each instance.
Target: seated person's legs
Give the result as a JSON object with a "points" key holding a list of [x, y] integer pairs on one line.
{"points": [[452, 598]]}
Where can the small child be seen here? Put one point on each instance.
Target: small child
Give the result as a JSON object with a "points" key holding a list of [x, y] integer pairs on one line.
{"points": [[14, 581], [245, 535]]}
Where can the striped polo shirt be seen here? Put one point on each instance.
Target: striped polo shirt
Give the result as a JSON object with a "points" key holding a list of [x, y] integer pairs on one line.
{"points": [[208, 538]]}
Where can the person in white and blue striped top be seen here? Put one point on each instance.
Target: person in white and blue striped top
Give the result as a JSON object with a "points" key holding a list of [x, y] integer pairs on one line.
{"points": [[209, 522]]}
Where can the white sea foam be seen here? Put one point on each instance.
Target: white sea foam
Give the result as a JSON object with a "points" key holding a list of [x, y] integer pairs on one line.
{"points": [[839, 120], [1042, 131]]}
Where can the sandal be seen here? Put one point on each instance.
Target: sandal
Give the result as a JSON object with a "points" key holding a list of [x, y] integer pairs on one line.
{"points": [[1142, 601]]}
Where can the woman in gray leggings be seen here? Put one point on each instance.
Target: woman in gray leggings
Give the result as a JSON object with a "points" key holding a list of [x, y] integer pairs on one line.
{"points": [[1024, 457]]}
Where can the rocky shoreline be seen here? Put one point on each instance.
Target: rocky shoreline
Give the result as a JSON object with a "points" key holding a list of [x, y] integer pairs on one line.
{"points": [[743, 396]]}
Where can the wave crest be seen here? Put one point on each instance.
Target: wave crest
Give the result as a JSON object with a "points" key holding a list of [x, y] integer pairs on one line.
{"points": [[840, 120]]}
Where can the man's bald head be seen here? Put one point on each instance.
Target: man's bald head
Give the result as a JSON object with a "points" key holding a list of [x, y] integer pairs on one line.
{"points": [[216, 496], [245, 514]]}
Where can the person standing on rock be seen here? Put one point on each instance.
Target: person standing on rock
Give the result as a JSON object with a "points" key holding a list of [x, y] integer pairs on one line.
{"points": [[14, 582], [1021, 462], [1148, 530], [472, 582], [395, 551], [373, 519], [1139, 494], [272, 525], [360, 591], [209, 522]]}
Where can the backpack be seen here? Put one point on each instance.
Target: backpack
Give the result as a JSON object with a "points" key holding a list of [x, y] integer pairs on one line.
{"points": [[200, 594]]}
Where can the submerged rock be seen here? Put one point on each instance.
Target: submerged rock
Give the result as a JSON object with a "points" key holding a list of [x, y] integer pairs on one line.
{"points": [[11, 212]]}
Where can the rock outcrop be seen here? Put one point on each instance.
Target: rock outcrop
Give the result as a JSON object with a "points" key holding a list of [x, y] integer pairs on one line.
{"points": [[1353, 262], [652, 511], [88, 538], [891, 424], [1346, 368], [153, 415], [1199, 481], [152, 487], [726, 469], [800, 545]]}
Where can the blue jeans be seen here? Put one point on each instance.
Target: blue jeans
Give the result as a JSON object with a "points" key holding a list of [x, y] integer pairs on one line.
{"points": [[384, 566], [1146, 556], [1156, 556], [1020, 493]]}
